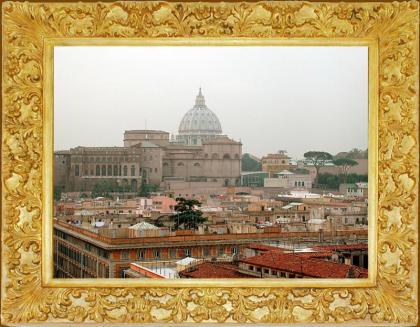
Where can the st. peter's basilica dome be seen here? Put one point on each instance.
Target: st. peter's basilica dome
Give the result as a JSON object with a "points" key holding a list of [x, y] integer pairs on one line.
{"points": [[198, 124]]}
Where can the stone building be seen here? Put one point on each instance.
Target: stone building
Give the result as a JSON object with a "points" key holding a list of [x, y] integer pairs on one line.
{"points": [[200, 153], [274, 162]]}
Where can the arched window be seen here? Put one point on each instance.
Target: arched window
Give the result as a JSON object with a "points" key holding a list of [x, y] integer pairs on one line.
{"points": [[215, 156], [133, 170], [103, 170], [125, 170], [196, 164], [165, 164], [226, 156], [206, 156], [98, 170]]}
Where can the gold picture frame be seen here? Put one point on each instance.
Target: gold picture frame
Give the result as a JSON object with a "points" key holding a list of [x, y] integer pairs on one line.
{"points": [[30, 31]]}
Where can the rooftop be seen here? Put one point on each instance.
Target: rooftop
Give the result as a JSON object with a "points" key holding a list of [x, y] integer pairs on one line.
{"points": [[306, 266], [213, 270], [148, 131]]}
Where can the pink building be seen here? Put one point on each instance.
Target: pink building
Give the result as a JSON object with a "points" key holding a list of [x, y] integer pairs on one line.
{"points": [[163, 204]]}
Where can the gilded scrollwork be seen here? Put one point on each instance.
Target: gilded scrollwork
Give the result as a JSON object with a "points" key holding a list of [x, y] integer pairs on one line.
{"points": [[26, 25]]}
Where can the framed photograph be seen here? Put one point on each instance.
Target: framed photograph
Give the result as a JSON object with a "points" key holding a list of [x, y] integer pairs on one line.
{"points": [[175, 162]]}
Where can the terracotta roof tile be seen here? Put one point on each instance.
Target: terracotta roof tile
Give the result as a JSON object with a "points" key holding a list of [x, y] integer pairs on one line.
{"points": [[301, 265], [213, 270]]}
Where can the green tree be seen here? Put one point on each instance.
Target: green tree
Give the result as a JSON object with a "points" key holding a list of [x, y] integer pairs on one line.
{"points": [[345, 164], [57, 193], [188, 216], [330, 181], [250, 164], [318, 159], [103, 188], [146, 189], [357, 154]]}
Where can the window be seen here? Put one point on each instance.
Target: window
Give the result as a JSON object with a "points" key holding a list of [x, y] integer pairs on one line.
{"points": [[133, 170], [103, 170], [221, 250], [206, 252], [115, 170], [274, 272], [234, 250], [226, 156], [76, 170], [125, 170], [156, 253], [109, 170], [266, 271], [180, 164], [251, 267], [187, 252], [124, 255], [156, 170], [196, 164], [140, 254], [172, 253]]}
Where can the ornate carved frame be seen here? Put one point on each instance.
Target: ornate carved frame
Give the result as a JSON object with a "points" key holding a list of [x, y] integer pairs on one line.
{"points": [[28, 292]]}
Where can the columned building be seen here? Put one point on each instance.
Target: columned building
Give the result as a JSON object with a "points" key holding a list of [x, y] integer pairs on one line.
{"points": [[200, 154]]}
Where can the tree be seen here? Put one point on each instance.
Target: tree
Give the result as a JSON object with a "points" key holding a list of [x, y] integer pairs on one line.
{"points": [[345, 164], [357, 154], [188, 215], [57, 193], [318, 159], [146, 189]]}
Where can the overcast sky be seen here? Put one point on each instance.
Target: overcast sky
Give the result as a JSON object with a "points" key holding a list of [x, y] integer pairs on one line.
{"points": [[271, 98]]}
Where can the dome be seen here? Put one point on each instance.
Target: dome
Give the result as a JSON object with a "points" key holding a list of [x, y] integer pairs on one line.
{"points": [[200, 120]]}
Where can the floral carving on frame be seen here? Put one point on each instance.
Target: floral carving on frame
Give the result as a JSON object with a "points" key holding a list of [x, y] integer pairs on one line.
{"points": [[26, 26]]}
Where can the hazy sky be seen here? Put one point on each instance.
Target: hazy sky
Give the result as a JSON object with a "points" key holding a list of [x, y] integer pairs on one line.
{"points": [[271, 98]]}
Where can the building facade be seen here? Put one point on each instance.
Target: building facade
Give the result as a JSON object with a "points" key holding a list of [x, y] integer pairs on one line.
{"points": [[275, 162]]}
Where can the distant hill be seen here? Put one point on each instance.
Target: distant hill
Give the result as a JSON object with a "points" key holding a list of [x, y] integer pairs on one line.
{"points": [[250, 162]]}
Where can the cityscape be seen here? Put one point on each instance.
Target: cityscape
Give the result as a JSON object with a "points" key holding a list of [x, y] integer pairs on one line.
{"points": [[191, 204]]}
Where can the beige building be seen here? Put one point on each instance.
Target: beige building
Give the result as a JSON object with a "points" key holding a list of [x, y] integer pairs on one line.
{"points": [[199, 154], [275, 162], [289, 180]]}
